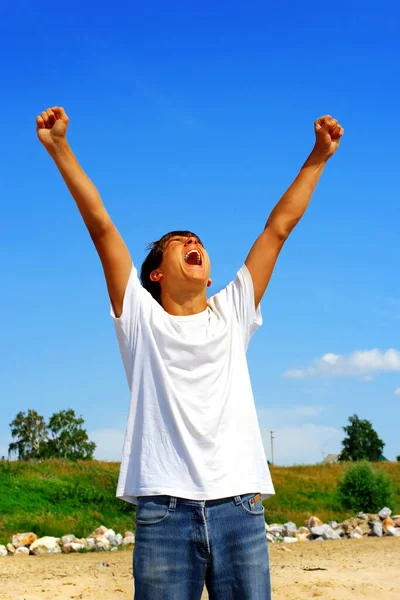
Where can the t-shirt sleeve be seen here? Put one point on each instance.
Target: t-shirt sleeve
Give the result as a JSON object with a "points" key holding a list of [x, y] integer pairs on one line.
{"points": [[238, 297], [137, 305], [136, 301]]}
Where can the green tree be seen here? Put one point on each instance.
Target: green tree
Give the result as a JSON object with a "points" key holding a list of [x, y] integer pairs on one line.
{"points": [[365, 489], [29, 432], [362, 441], [67, 438]]}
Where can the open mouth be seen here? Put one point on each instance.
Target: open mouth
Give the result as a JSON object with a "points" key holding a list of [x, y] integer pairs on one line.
{"points": [[193, 257]]}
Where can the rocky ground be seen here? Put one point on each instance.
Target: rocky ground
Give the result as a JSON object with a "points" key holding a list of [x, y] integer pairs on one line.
{"points": [[367, 569], [103, 539]]}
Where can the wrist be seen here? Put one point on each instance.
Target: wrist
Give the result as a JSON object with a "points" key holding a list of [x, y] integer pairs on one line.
{"points": [[318, 158], [58, 148]]}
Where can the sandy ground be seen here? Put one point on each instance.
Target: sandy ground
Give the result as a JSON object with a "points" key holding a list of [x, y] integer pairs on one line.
{"points": [[367, 569]]}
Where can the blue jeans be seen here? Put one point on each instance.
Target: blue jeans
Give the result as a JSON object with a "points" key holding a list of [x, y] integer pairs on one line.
{"points": [[183, 544]]}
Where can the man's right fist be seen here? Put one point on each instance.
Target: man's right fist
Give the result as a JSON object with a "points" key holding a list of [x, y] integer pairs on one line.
{"points": [[51, 127]]}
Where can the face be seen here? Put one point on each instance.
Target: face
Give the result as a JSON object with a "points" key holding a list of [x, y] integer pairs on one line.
{"points": [[185, 262]]}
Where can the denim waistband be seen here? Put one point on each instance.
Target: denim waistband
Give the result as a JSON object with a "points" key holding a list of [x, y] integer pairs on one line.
{"points": [[174, 501]]}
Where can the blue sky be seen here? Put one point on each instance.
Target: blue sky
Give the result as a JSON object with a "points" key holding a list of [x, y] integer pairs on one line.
{"points": [[199, 115]]}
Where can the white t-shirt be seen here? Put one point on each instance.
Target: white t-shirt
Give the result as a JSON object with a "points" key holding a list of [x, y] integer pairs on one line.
{"points": [[192, 428]]}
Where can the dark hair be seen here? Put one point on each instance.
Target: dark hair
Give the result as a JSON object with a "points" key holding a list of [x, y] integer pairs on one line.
{"points": [[154, 259]]}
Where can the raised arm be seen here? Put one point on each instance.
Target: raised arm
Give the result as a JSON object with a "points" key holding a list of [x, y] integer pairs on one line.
{"points": [[51, 128], [291, 207]]}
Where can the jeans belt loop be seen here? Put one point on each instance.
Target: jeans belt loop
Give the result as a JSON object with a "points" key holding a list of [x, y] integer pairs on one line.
{"points": [[238, 500], [172, 503]]}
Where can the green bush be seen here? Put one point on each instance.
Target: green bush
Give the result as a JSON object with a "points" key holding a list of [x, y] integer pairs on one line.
{"points": [[365, 489]]}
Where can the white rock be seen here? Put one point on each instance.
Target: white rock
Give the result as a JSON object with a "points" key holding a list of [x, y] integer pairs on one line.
{"points": [[45, 545], [114, 538], [114, 549], [385, 513], [333, 524], [109, 534], [90, 543], [102, 543], [289, 540], [275, 529], [319, 530], [271, 538], [113, 541], [22, 550], [303, 530], [393, 531], [72, 547], [326, 532], [128, 541], [3, 550], [289, 529], [376, 530], [356, 534], [99, 531], [66, 539]]}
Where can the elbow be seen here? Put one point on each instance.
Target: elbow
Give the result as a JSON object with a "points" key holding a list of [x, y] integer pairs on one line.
{"points": [[282, 229], [99, 227]]}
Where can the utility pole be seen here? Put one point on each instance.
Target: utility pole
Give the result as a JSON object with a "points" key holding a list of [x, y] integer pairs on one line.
{"points": [[272, 447]]}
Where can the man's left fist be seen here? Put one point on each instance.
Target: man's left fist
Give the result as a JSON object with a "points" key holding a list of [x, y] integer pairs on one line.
{"points": [[328, 134]]}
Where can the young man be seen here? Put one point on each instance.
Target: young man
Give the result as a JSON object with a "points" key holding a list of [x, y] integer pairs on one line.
{"points": [[193, 458]]}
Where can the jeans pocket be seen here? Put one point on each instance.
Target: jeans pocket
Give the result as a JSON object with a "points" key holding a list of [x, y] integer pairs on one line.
{"points": [[152, 510], [251, 504]]}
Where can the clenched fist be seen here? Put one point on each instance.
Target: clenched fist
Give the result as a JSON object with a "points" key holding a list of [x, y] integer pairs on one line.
{"points": [[328, 133], [51, 127]]}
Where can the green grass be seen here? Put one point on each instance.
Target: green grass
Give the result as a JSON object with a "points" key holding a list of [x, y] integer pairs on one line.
{"points": [[57, 497], [307, 490]]}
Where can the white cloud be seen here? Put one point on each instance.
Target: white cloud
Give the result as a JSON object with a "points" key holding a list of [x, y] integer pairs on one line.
{"points": [[287, 414], [295, 374], [397, 391], [109, 443], [297, 440], [302, 444], [358, 363], [331, 359], [306, 411]]}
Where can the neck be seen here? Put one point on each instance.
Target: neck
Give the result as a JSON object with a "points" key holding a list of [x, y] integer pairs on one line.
{"points": [[184, 304]]}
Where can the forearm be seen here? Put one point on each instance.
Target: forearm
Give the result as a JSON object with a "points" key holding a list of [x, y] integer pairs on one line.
{"points": [[82, 189], [293, 204]]}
